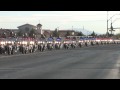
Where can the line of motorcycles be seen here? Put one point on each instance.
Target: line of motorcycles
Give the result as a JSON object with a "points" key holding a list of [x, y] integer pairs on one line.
{"points": [[24, 47]]}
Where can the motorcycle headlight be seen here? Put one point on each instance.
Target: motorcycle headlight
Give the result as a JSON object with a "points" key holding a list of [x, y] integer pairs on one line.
{"points": [[1, 42], [111, 40], [23, 42], [9, 42], [30, 42], [38, 42], [12, 42]]}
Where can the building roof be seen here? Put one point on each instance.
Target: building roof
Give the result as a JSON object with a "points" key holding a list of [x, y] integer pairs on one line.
{"points": [[26, 25], [39, 25]]}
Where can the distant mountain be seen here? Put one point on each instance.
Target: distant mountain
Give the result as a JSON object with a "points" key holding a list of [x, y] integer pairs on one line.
{"points": [[85, 31]]}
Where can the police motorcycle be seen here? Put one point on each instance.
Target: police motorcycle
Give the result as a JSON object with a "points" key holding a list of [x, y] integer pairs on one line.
{"points": [[107, 41], [58, 43], [73, 44], [92, 41], [2, 47], [86, 43], [110, 41], [116, 41], [24, 47], [50, 44], [16, 45], [98, 41], [10, 47], [33, 47], [103, 41], [67, 44], [42, 45], [81, 42]]}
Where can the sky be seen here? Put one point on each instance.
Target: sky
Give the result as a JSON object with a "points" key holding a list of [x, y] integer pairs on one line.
{"points": [[90, 20]]}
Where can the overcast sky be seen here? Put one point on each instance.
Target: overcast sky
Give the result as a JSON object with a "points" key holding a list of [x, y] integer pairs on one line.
{"points": [[91, 20]]}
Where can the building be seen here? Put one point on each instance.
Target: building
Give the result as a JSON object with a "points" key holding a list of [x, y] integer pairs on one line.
{"points": [[15, 30], [63, 33], [27, 28], [47, 32], [5, 32]]}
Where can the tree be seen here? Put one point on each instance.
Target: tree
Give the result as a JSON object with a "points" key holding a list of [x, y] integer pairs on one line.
{"points": [[93, 34], [67, 34], [19, 33], [56, 33], [32, 33], [80, 34], [117, 36]]}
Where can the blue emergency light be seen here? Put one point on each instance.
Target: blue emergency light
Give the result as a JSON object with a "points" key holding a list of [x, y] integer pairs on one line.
{"points": [[50, 39], [58, 39]]}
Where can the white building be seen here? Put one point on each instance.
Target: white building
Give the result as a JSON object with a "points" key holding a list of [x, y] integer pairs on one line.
{"points": [[27, 28]]}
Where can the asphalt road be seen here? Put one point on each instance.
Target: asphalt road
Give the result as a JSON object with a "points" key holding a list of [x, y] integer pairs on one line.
{"points": [[98, 62]]}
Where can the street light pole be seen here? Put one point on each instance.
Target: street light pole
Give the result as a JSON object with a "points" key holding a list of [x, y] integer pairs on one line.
{"points": [[112, 25], [72, 28], [108, 21]]}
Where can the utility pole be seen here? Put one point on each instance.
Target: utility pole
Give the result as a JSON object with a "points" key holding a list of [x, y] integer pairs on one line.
{"points": [[107, 23]]}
